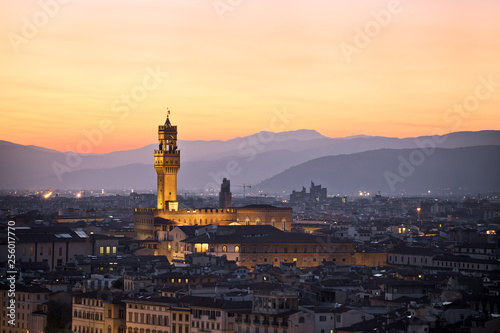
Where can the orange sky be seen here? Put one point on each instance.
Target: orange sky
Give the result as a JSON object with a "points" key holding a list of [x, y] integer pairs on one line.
{"points": [[233, 64]]}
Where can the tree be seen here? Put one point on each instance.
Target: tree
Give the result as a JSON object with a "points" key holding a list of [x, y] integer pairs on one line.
{"points": [[118, 284], [58, 317]]}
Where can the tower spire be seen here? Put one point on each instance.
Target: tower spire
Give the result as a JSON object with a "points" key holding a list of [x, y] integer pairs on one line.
{"points": [[167, 122]]}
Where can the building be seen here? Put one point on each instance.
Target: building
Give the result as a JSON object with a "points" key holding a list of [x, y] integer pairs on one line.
{"points": [[317, 193], [97, 312], [56, 245], [274, 311], [167, 165], [253, 245], [326, 319], [225, 196], [215, 316], [29, 311], [431, 258]]}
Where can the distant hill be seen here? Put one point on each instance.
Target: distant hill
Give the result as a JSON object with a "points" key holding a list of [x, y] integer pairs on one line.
{"points": [[250, 159], [475, 169]]}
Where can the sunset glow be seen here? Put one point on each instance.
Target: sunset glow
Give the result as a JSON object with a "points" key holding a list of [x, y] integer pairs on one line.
{"points": [[225, 68]]}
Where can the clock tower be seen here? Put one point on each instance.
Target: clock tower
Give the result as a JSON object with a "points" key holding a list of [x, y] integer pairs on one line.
{"points": [[167, 164]]}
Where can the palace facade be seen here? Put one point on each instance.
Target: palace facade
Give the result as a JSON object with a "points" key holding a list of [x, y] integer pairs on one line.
{"points": [[154, 223]]}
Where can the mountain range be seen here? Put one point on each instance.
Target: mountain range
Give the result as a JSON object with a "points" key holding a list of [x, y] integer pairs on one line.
{"points": [[272, 162]]}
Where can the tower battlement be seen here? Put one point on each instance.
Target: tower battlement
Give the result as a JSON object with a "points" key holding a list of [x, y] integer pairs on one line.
{"points": [[167, 128]]}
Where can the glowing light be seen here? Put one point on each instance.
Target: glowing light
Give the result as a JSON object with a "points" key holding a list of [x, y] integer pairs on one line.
{"points": [[78, 195], [47, 195]]}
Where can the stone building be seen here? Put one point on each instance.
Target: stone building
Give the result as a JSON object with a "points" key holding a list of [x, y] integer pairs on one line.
{"points": [[28, 309], [167, 164], [274, 311], [252, 245], [98, 312]]}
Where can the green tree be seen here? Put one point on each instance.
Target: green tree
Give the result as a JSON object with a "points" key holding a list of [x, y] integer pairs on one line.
{"points": [[58, 317]]}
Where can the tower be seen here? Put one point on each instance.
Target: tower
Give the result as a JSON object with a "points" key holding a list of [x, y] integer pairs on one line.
{"points": [[167, 164], [225, 196]]}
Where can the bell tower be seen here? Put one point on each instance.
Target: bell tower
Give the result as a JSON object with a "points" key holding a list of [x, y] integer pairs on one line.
{"points": [[167, 164]]}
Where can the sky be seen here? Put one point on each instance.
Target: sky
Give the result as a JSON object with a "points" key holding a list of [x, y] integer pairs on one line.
{"points": [[99, 75]]}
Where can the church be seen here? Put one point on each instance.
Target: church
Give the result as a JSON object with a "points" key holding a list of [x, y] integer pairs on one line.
{"points": [[152, 223]]}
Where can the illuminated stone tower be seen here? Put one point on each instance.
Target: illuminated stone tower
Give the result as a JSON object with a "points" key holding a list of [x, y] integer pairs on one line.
{"points": [[167, 164]]}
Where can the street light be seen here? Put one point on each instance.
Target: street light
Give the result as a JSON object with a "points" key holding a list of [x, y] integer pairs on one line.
{"points": [[418, 216]]}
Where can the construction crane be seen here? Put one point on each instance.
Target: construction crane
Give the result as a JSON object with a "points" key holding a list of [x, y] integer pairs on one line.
{"points": [[244, 187], [87, 227]]}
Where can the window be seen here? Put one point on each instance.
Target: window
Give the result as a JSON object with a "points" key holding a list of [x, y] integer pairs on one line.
{"points": [[236, 249], [224, 248], [322, 318]]}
